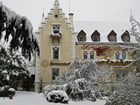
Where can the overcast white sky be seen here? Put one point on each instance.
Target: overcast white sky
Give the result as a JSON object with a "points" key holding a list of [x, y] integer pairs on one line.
{"points": [[93, 10]]}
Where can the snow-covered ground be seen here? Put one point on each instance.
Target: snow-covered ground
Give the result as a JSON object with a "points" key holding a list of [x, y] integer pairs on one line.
{"points": [[32, 98]]}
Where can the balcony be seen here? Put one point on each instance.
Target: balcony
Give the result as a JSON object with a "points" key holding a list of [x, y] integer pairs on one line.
{"points": [[56, 37]]}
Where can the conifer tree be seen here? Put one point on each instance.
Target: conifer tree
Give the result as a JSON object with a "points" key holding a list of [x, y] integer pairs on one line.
{"points": [[18, 31]]}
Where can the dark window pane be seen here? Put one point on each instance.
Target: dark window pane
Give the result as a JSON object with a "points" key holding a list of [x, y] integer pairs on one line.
{"points": [[55, 73], [112, 38], [91, 55], [56, 29], [55, 53], [85, 55], [123, 55], [118, 56]]}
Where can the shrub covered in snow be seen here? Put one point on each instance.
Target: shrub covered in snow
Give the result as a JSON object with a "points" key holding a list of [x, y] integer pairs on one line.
{"points": [[50, 88], [80, 81], [77, 90], [92, 98], [57, 96], [6, 91], [12, 92], [127, 93]]}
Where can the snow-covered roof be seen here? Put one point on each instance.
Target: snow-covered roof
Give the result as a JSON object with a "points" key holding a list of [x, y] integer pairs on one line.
{"points": [[104, 28]]}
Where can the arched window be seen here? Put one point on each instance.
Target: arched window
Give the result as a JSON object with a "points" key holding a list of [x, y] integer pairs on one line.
{"points": [[125, 36], [81, 36], [112, 36], [95, 36]]}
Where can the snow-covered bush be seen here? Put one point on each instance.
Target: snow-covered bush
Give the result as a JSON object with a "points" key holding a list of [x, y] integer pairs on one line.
{"points": [[57, 96], [92, 98], [6, 91], [12, 92], [82, 79], [75, 89], [50, 88], [127, 93]]}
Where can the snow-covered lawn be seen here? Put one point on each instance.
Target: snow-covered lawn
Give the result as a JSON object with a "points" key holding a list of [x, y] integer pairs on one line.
{"points": [[32, 98]]}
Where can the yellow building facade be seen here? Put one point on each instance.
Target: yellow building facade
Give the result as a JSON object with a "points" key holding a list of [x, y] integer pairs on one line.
{"points": [[60, 44]]}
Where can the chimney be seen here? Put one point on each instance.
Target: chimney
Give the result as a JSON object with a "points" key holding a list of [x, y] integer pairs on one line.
{"points": [[71, 18]]}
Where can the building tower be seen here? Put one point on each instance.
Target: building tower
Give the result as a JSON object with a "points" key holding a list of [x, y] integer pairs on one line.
{"points": [[57, 46]]}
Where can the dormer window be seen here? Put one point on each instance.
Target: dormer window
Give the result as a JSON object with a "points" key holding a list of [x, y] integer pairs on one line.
{"points": [[95, 36], [112, 36], [125, 37], [81, 36]]}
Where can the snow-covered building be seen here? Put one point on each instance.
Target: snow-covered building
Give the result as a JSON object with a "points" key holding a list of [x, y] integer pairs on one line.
{"points": [[62, 39]]}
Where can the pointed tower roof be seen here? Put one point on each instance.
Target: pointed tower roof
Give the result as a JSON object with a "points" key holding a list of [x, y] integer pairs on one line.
{"points": [[56, 3]]}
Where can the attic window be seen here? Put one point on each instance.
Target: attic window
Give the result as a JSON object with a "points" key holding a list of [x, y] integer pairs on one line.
{"points": [[125, 36], [81, 36], [112, 36], [95, 36]]}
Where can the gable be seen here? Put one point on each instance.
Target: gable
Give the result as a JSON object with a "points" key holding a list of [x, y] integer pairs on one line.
{"points": [[126, 36], [112, 36], [81, 36], [95, 36]]}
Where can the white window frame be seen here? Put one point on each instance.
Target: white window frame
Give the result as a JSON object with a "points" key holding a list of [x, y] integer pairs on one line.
{"points": [[88, 52], [120, 55]]}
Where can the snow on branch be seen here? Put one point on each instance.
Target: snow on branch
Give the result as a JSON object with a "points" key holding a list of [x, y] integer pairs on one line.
{"points": [[20, 29], [135, 31]]}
